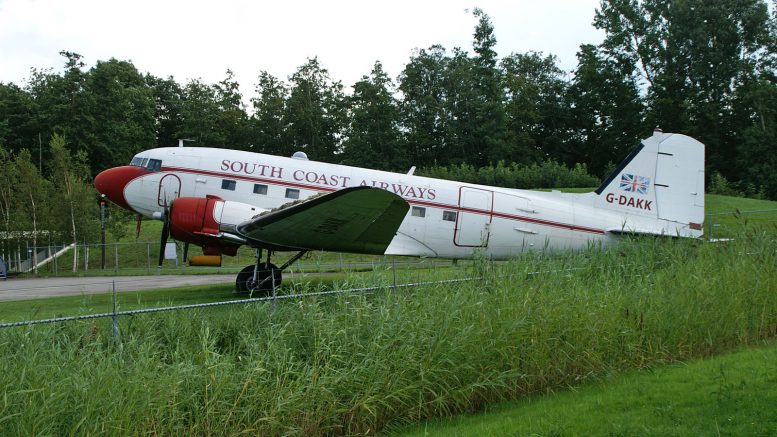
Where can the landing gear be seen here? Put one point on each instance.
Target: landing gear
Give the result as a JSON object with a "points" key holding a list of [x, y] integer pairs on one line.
{"points": [[260, 278]]}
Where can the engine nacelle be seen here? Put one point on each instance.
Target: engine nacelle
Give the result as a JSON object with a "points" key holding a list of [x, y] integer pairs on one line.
{"points": [[210, 222]]}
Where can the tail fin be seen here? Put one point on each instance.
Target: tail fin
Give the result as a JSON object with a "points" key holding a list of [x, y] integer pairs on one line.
{"points": [[659, 187]]}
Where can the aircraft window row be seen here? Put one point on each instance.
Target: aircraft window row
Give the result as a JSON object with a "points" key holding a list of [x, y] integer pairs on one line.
{"points": [[229, 184], [260, 189], [417, 211], [449, 216]]}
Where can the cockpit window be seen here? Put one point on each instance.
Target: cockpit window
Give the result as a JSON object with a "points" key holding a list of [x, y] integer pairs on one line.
{"points": [[136, 161], [154, 164]]}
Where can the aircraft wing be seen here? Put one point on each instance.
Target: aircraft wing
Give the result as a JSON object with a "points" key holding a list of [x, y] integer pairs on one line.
{"points": [[357, 219]]}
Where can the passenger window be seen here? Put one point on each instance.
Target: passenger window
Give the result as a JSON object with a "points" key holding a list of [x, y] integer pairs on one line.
{"points": [[418, 212], [449, 216], [260, 189], [292, 193], [154, 165], [227, 184]]}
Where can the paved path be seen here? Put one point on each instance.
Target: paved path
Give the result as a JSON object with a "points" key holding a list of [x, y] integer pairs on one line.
{"points": [[21, 289]]}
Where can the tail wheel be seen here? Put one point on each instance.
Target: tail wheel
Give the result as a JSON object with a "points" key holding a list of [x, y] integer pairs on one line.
{"points": [[245, 280]]}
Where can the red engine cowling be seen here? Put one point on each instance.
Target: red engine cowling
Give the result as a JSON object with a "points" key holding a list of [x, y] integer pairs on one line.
{"points": [[195, 220]]}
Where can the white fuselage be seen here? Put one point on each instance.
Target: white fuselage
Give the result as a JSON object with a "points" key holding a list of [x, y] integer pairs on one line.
{"points": [[446, 218]]}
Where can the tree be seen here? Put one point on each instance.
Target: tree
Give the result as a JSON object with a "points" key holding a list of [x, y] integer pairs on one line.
{"points": [[315, 112], [268, 126], [69, 175], [422, 108], [8, 178], [199, 111], [168, 104], [18, 118], [489, 125], [122, 106], [62, 104], [607, 111], [30, 190], [373, 138], [231, 118], [757, 152], [538, 115], [693, 56]]}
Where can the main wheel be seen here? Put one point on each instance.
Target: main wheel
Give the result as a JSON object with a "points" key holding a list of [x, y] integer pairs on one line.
{"points": [[245, 280]]}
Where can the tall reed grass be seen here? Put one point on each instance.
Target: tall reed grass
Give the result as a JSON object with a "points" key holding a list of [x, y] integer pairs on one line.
{"points": [[360, 364]]}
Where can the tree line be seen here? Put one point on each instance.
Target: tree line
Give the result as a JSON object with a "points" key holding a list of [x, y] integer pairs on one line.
{"points": [[703, 68]]}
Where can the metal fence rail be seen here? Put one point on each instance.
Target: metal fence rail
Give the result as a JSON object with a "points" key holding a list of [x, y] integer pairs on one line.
{"points": [[114, 314]]}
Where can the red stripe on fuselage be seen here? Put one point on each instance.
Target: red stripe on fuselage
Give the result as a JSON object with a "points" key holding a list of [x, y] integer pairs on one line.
{"points": [[287, 184]]}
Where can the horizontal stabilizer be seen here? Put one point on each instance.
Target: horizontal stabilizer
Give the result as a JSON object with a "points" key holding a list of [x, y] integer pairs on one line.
{"points": [[357, 219]]}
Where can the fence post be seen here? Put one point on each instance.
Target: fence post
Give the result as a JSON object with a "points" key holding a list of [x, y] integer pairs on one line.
{"points": [[274, 294], [148, 257], [114, 316], [86, 257], [116, 256], [394, 269]]}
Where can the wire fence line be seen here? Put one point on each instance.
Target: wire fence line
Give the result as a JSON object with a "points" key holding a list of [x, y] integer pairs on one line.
{"points": [[717, 225], [115, 313], [272, 298]]}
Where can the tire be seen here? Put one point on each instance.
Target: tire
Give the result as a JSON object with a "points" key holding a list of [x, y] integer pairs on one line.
{"points": [[245, 284]]}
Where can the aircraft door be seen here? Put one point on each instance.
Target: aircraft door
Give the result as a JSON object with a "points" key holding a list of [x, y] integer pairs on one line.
{"points": [[169, 189], [474, 218]]}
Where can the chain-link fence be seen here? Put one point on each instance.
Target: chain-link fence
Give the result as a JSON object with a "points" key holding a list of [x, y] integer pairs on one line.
{"points": [[723, 225]]}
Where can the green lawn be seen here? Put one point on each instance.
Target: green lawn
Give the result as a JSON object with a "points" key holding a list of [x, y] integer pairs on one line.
{"points": [[733, 394]]}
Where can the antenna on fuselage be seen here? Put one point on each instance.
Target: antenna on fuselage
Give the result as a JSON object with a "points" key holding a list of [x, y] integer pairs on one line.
{"points": [[182, 140]]}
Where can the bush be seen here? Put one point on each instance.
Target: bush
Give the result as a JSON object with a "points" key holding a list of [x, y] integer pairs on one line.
{"points": [[546, 174], [720, 185]]}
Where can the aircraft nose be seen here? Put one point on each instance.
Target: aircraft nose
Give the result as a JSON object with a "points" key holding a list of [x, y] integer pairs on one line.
{"points": [[112, 182]]}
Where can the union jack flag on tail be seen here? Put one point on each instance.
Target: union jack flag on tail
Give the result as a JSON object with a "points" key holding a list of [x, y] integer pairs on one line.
{"points": [[635, 184]]}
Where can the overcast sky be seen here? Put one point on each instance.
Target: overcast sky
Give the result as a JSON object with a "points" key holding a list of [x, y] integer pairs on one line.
{"points": [[198, 39]]}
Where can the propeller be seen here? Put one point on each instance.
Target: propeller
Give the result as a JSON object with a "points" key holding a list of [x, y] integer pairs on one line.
{"points": [[165, 233], [137, 226]]}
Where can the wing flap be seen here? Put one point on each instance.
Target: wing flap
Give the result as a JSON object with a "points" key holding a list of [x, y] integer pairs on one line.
{"points": [[356, 219]]}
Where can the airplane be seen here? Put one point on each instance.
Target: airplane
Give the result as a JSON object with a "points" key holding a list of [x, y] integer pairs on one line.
{"points": [[222, 199]]}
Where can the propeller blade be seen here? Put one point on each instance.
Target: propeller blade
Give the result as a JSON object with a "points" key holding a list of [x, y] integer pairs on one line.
{"points": [[137, 226], [165, 234], [185, 251]]}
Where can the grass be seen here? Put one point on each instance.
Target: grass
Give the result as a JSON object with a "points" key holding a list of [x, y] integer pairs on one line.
{"points": [[360, 364], [731, 394]]}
